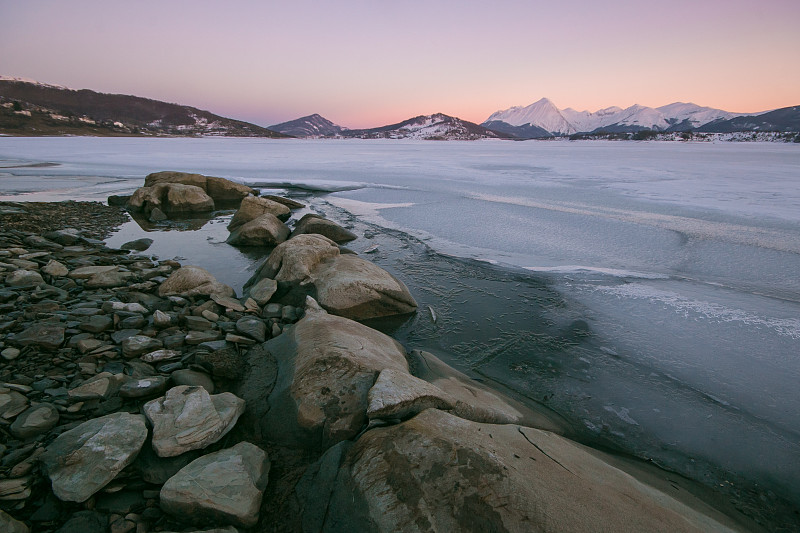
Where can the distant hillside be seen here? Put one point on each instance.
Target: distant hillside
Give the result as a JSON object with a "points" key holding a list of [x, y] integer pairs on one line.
{"points": [[311, 126], [432, 127], [32, 108], [783, 120]]}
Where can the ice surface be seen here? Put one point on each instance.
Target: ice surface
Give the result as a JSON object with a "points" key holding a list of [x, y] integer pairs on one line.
{"points": [[681, 259]]}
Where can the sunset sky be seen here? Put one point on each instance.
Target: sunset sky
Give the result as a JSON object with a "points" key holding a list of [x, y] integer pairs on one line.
{"points": [[370, 63]]}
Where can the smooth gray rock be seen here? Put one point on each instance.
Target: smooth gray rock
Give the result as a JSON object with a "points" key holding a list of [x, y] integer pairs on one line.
{"points": [[143, 387], [252, 327], [101, 386], [45, 335], [262, 290], [24, 279], [226, 485], [108, 280], [315, 224], [85, 459], [55, 269], [326, 366], [266, 230], [9, 524], [138, 245], [400, 395], [36, 420], [193, 281], [138, 345], [253, 207], [12, 403], [438, 472], [188, 418]]}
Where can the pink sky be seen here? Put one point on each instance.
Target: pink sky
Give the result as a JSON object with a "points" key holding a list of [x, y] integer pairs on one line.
{"points": [[370, 63]]}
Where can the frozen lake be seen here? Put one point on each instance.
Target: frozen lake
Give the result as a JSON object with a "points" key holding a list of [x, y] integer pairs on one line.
{"points": [[648, 292]]}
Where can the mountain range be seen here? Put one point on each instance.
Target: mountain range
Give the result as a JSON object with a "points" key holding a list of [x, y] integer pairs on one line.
{"points": [[28, 107], [529, 121]]}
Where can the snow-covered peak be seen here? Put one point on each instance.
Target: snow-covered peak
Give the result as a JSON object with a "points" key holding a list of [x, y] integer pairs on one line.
{"points": [[28, 80], [545, 115], [542, 113]]}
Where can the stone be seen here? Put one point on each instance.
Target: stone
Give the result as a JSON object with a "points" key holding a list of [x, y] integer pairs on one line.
{"points": [[253, 207], [161, 355], [45, 335], [193, 378], [85, 459], [143, 387], [193, 281], [315, 224], [399, 395], [224, 190], [139, 245], [89, 271], [291, 204], [55, 269], [157, 215], [262, 290], [239, 339], [12, 490], [224, 363], [266, 230], [100, 386], [294, 260], [9, 524], [196, 323], [438, 472], [222, 486], [157, 470], [326, 367], [199, 337], [85, 522], [352, 287], [171, 198], [161, 319], [169, 176], [131, 307], [252, 327], [119, 336], [24, 279], [227, 302], [473, 400], [36, 420], [189, 418], [138, 345], [108, 280], [10, 353], [97, 324]]}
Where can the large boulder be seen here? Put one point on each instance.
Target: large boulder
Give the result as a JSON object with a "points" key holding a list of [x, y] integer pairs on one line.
{"points": [[189, 418], [296, 259], [253, 207], [171, 198], [222, 486], [192, 281], [265, 230], [438, 472], [312, 223], [326, 367], [353, 287], [346, 285], [85, 459], [220, 189]]}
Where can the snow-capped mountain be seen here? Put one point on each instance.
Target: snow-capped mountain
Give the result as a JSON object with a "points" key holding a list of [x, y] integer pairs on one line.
{"points": [[544, 114], [433, 127], [311, 126]]}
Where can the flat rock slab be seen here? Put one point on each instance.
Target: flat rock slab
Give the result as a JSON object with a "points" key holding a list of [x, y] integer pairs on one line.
{"points": [[89, 271], [315, 224], [138, 345], [401, 395], [222, 486], [438, 472], [45, 335], [189, 418], [24, 278], [12, 403], [143, 387], [34, 421], [85, 459]]}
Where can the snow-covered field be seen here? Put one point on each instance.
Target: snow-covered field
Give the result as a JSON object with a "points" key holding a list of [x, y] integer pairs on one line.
{"points": [[682, 259]]}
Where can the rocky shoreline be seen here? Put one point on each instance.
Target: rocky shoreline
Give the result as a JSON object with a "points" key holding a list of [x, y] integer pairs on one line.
{"points": [[127, 383]]}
